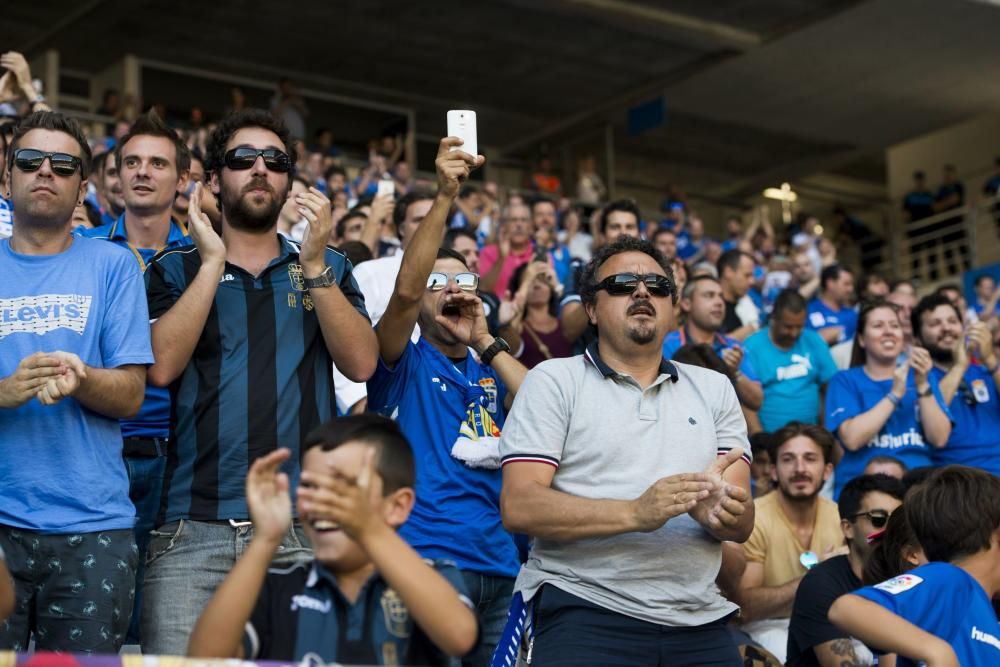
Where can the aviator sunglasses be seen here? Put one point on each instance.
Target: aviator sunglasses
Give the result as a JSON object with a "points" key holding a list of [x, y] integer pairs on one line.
{"points": [[621, 284], [466, 281], [878, 517], [30, 159], [243, 158]]}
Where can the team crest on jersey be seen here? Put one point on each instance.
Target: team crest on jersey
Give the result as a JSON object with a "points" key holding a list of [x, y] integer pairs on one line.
{"points": [[897, 585], [395, 614], [296, 278], [307, 302], [489, 385]]}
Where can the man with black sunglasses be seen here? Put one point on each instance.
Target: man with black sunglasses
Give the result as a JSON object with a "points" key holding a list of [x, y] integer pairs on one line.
{"points": [[864, 506], [967, 371], [74, 345], [628, 470], [245, 328], [452, 406]]}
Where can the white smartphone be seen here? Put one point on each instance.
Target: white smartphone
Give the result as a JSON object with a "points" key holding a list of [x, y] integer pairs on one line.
{"points": [[386, 186], [462, 124]]}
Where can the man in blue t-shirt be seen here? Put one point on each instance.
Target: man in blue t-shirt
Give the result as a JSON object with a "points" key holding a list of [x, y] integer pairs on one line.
{"points": [[153, 165], [939, 613], [452, 405], [969, 389], [792, 362], [831, 313], [704, 310], [75, 334]]}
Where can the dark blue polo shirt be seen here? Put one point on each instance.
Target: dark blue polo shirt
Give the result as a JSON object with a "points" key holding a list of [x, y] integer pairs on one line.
{"points": [[260, 377], [919, 204], [301, 611], [153, 420]]}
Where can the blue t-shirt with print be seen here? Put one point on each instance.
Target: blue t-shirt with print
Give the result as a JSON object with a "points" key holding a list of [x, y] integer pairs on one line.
{"points": [[6, 218], [821, 316], [791, 378], [457, 513], [975, 414], [851, 393], [947, 602], [675, 340], [686, 246], [61, 465]]}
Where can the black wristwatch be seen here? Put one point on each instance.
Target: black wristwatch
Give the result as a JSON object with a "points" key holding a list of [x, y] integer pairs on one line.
{"points": [[926, 392], [324, 279], [499, 345]]}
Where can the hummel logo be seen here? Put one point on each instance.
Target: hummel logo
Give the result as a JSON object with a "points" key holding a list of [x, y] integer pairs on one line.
{"points": [[442, 385], [227, 278]]}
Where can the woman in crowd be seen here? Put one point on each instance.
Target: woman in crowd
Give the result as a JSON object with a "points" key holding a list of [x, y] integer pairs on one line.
{"points": [[536, 297], [882, 406]]}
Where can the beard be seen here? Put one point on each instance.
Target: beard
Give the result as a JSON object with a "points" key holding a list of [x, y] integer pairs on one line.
{"points": [[793, 494], [242, 212], [942, 355], [642, 333]]}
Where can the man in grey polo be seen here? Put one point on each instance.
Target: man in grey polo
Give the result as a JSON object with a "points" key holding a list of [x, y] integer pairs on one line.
{"points": [[626, 469]]}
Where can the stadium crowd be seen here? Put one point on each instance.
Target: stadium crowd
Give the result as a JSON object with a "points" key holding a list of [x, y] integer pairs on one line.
{"points": [[254, 404]]}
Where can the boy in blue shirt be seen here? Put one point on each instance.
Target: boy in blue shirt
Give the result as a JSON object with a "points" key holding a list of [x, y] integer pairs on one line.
{"points": [[368, 598], [939, 613]]}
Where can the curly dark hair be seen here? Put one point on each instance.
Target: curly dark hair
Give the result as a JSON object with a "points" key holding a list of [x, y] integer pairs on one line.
{"points": [[236, 121], [588, 279]]}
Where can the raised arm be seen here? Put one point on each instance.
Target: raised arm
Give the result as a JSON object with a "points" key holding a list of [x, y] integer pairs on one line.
{"points": [[933, 419], [347, 333], [858, 431], [175, 333], [219, 630], [400, 316]]}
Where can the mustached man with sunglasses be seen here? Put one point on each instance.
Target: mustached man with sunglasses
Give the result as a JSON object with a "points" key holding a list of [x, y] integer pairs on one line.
{"points": [[153, 164], [628, 470], [451, 404], [813, 641], [244, 327], [74, 346], [967, 372]]}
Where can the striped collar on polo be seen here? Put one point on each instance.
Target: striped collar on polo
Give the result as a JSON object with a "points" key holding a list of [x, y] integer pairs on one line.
{"points": [[593, 356]]}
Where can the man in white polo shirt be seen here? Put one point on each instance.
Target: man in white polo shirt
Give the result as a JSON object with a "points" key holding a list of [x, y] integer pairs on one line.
{"points": [[628, 470]]}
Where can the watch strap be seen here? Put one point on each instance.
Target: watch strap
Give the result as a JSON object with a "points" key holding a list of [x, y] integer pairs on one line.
{"points": [[324, 279], [499, 345]]}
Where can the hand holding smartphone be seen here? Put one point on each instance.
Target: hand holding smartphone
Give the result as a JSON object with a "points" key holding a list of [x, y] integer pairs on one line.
{"points": [[462, 124]]}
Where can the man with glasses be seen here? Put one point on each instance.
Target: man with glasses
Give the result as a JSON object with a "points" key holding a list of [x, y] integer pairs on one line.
{"points": [[244, 330], [74, 345], [864, 505], [795, 529], [452, 406], [153, 164], [967, 371], [628, 471]]}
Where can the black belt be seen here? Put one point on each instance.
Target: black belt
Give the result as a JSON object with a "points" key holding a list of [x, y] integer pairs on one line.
{"points": [[144, 448]]}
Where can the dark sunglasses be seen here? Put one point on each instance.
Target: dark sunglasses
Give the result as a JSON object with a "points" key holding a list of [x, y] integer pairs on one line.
{"points": [[243, 158], [467, 282], [878, 517], [30, 159], [621, 284]]}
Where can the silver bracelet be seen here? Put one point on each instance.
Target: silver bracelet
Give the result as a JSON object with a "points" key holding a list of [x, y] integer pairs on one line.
{"points": [[892, 399]]}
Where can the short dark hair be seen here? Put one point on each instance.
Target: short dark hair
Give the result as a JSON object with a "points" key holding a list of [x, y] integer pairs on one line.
{"points": [[394, 456], [831, 273], [955, 512], [662, 230], [467, 190], [448, 253], [760, 443], [97, 164], [886, 560], [788, 300], [626, 205], [948, 287], [347, 217], [926, 305], [915, 476], [890, 460], [823, 438], [403, 203], [53, 121], [542, 200], [703, 355], [452, 235], [356, 251], [151, 125], [588, 279], [856, 489], [236, 121], [981, 277], [333, 169], [731, 260]]}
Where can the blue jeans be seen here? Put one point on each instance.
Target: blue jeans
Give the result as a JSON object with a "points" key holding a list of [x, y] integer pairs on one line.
{"points": [[185, 563], [145, 484], [491, 595]]}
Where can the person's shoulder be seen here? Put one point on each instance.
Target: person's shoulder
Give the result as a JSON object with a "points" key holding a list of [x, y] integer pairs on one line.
{"points": [[828, 508], [699, 375], [766, 504], [100, 232], [176, 256], [562, 367], [100, 249], [757, 340], [811, 338]]}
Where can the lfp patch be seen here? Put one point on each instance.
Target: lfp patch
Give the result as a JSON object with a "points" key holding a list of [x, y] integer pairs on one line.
{"points": [[897, 585]]}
